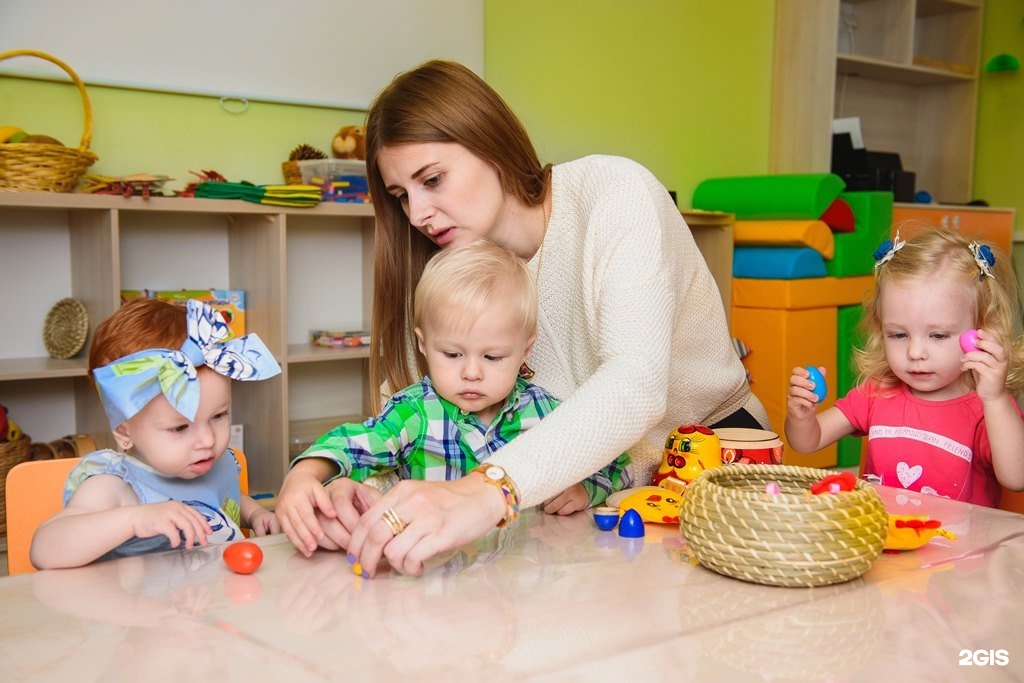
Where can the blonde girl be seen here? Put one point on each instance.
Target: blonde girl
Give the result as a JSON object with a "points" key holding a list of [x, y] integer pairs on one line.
{"points": [[940, 419]]}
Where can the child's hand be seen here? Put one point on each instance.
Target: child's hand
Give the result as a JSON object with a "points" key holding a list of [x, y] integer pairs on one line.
{"points": [[173, 520], [301, 497], [571, 500], [350, 499], [263, 522], [801, 401], [990, 366]]}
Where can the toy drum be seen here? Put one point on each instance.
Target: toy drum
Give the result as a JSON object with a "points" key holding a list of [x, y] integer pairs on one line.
{"points": [[745, 446]]}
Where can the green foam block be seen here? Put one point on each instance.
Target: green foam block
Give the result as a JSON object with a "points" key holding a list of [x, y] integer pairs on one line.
{"points": [[849, 335], [854, 252], [783, 196], [848, 451]]}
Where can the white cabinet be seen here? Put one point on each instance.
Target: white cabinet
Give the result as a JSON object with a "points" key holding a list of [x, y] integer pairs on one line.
{"points": [[300, 269]]}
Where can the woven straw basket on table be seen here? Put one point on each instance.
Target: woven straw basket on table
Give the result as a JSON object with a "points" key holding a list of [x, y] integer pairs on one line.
{"points": [[30, 166], [732, 526]]}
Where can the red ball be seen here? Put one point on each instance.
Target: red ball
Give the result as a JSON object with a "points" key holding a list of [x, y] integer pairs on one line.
{"points": [[243, 557]]}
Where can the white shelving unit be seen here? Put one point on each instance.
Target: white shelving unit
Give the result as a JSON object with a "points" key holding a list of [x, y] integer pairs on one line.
{"points": [[299, 268]]}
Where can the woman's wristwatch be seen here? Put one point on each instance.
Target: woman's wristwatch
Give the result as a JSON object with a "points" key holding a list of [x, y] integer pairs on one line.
{"points": [[496, 476]]}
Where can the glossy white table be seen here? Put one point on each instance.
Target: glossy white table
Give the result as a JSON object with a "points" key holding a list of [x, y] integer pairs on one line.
{"points": [[553, 599]]}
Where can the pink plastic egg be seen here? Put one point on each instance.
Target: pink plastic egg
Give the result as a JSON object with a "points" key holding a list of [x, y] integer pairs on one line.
{"points": [[969, 341]]}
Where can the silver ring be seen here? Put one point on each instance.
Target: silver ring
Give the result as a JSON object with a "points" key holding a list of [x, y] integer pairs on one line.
{"points": [[393, 521]]}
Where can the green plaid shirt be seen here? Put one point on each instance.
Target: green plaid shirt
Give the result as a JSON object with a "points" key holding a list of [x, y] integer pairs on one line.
{"points": [[423, 436]]}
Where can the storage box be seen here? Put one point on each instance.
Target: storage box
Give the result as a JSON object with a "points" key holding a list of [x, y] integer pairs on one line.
{"points": [[318, 171]]}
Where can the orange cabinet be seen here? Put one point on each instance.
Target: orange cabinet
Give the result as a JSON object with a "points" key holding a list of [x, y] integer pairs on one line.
{"points": [[994, 225]]}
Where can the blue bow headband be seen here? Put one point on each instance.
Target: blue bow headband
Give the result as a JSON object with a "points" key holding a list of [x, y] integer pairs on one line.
{"points": [[128, 384]]}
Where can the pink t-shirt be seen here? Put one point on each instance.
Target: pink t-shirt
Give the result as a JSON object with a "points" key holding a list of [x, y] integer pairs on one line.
{"points": [[935, 447]]}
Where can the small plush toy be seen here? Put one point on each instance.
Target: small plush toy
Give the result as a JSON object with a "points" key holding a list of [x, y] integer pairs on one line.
{"points": [[349, 143]]}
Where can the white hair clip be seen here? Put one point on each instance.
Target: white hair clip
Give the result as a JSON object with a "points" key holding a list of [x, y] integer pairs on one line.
{"points": [[887, 250]]}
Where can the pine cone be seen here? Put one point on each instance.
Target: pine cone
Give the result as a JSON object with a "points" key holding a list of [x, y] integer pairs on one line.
{"points": [[303, 152]]}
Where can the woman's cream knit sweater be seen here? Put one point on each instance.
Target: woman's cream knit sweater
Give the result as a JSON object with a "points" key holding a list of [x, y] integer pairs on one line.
{"points": [[632, 336]]}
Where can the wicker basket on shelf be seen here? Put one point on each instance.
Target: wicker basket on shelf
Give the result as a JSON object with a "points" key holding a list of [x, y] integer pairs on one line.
{"points": [[11, 453], [793, 538], [31, 166]]}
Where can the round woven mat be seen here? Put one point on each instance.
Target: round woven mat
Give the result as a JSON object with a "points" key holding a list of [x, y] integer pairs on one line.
{"points": [[65, 328]]}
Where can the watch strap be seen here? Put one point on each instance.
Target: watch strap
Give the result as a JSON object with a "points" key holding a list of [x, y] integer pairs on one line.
{"points": [[508, 491]]}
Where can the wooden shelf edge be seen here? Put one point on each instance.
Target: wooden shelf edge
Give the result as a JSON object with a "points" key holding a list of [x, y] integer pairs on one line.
{"points": [[893, 72], [310, 353], [73, 200], [12, 369]]}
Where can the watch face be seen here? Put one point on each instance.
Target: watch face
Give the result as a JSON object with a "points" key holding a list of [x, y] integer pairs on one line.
{"points": [[494, 472]]}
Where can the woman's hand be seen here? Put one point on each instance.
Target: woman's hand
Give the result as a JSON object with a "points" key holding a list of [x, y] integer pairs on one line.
{"points": [[301, 499], [349, 500], [573, 499], [438, 517]]}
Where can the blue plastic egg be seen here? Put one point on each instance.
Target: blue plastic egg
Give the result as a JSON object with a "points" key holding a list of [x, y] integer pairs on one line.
{"points": [[819, 383], [631, 525], [606, 518]]}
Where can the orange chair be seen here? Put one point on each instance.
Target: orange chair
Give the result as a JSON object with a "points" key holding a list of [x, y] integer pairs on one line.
{"points": [[35, 493], [1012, 501]]}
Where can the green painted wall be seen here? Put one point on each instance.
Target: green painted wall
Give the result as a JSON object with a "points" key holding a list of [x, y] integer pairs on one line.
{"points": [[999, 145], [998, 177], [684, 87], [147, 132]]}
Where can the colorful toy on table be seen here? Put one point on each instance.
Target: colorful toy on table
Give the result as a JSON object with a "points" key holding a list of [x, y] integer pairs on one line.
{"points": [[606, 517], [746, 446], [969, 341], [689, 450], [820, 388], [909, 532], [243, 557], [632, 526], [653, 503]]}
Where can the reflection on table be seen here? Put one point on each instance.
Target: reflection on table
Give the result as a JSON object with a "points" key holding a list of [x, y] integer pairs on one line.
{"points": [[552, 599]]}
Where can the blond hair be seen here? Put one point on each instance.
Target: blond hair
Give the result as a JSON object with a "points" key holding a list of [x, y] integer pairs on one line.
{"points": [[996, 300], [438, 101], [461, 284]]}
